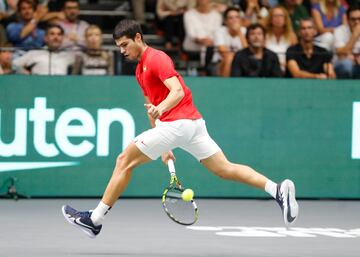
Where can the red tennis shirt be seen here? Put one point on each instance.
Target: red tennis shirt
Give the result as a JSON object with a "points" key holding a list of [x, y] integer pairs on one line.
{"points": [[152, 70]]}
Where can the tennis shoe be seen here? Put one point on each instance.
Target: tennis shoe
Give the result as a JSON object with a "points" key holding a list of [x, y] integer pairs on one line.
{"points": [[285, 197], [81, 220]]}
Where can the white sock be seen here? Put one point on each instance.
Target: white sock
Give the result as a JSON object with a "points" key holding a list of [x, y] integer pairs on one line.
{"points": [[98, 214], [270, 187]]}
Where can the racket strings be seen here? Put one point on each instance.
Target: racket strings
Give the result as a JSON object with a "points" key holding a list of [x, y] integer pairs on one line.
{"points": [[179, 210]]}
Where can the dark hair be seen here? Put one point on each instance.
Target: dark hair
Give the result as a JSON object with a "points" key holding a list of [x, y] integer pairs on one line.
{"points": [[307, 19], [6, 47], [30, 2], [127, 28], [230, 9], [51, 26], [352, 8], [253, 27], [73, 1]]}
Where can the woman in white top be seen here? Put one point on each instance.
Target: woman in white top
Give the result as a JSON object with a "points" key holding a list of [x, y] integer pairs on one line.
{"points": [[279, 33], [228, 39]]}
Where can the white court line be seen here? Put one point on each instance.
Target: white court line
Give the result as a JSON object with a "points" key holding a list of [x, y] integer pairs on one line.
{"points": [[243, 231]]}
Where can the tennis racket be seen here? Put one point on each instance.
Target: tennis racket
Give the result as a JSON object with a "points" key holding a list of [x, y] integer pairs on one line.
{"points": [[180, 211]]}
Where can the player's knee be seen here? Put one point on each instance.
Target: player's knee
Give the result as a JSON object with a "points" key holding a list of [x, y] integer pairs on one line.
{"points": [[224, 170], [123, 163]]}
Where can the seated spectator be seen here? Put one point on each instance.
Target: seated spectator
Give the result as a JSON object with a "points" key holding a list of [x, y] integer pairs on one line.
{"points": [[94, 60], [25, 34], [254, 11], [228, 40], [7, 11], [279, 33], [306, 60], [3, 38], [138, 7], [170, 14], [327, 15], [200, 25], [296, 11], [49, 60], [347, 45], [221, 5], [6, 64], [73, 27], [256, 60]]}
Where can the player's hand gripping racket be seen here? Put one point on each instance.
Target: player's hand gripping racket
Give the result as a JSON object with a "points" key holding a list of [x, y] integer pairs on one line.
{"points": [[180, 211]]}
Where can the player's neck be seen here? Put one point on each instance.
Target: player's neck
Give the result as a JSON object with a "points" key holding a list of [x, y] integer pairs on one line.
{"points": [[143, 48]]}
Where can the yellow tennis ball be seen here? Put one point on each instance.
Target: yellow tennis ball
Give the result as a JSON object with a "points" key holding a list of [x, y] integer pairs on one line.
{"points": [[187, 195]]}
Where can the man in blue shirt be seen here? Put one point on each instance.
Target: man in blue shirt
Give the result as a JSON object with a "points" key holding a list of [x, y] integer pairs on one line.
{"points": [[25, 34]]}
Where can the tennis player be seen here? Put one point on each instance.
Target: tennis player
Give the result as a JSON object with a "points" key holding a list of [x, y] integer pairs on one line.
{"points": [[175, 123]]}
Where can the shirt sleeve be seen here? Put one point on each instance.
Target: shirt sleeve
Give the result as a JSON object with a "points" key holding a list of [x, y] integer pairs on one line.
{"points": [[290, 54], [162, 67], [328, 56], [24, 60], [339, 37], [235, 66], [276, 70], [219, 37], [13, 31]]}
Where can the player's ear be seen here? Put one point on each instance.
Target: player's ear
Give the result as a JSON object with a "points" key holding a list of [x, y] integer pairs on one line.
{"points": [[138, 37]]}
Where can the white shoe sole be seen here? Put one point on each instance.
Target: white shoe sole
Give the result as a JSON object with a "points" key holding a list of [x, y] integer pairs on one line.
{"points": [[86, 231], [292, 204]]}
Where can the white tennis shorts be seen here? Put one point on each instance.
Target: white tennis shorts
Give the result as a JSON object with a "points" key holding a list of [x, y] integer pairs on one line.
{"points": [[190, 135]]}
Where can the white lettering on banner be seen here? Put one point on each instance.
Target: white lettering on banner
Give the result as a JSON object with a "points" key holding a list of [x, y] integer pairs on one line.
{"points": [[85, 126], [105, 119], [240, 231], [40, 115], [18, 146], [64, 130], [355, 148]]}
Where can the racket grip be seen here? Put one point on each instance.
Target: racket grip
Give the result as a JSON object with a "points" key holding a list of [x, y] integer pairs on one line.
{"points": [[171, 167]]}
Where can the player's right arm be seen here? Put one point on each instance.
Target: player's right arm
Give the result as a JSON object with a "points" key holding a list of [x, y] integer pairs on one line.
{"points": [[165, 157]]}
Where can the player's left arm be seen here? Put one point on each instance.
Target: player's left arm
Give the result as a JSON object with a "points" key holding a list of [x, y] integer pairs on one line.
{"points": [[151, 119], [175, 95]]}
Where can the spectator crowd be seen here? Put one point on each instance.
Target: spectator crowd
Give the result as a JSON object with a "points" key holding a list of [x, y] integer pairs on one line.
{"points": [[317, 39]]}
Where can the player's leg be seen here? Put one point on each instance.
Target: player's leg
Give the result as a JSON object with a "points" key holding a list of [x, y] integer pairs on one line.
{"points": [[205, 149], [125, 163], [284, 192], [149, 145], [90, 221], [220, 166]]}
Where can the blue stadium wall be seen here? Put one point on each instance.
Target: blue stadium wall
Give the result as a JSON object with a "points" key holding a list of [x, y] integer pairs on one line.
{"points": [[59, 136]]}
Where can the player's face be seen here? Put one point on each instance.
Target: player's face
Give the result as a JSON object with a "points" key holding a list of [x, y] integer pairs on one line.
{"points": [[354, 19], [93, 38], [232, 19], [256, 38], [130, 48], [54, 38], [278, 18], [307, 31], [72, 11], [26, 11], [5, 58]]}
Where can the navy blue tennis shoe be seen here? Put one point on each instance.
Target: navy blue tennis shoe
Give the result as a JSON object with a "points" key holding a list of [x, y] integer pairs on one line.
{"points": [[81, 220]]}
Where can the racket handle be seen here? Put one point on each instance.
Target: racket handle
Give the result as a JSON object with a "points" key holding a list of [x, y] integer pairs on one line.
{"points": [[171, 167]]}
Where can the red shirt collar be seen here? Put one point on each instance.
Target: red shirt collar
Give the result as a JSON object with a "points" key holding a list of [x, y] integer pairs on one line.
{"points": [[144, 55]]}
